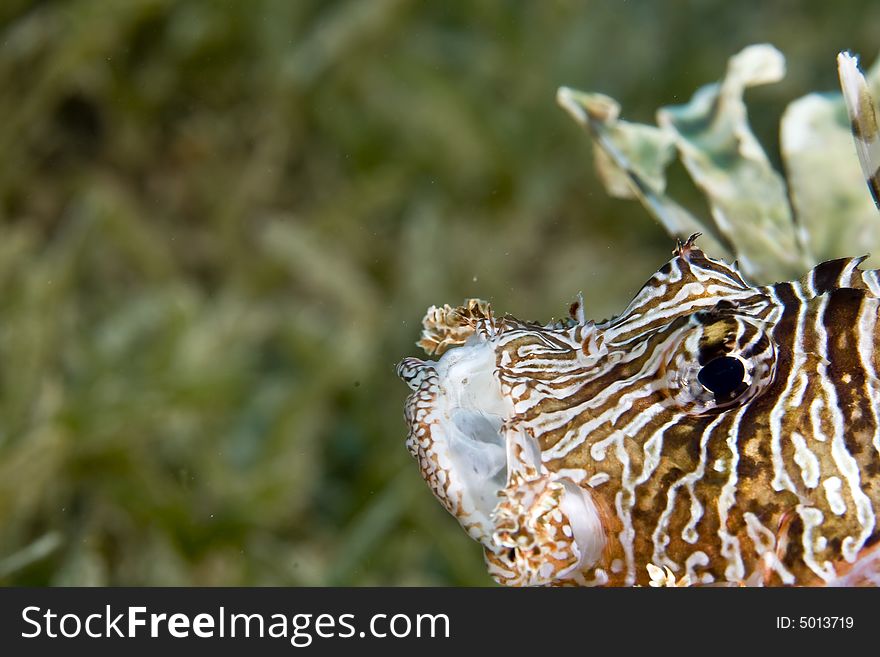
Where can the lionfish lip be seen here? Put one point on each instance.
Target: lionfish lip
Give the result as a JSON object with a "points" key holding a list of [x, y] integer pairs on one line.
{"points": [[456, 413]]}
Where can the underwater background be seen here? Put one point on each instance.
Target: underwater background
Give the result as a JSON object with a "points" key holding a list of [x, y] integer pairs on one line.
{"points": [[221, 224]]}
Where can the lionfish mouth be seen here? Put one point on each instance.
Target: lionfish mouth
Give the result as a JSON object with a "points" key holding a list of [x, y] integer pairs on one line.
{"points": [[535, 528], [457, 413]]}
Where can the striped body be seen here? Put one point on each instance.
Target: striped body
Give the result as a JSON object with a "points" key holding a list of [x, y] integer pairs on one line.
{"points": [[777, 482]]}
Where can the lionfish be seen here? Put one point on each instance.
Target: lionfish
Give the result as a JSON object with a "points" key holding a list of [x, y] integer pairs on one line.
{"points": [[726, 432]]}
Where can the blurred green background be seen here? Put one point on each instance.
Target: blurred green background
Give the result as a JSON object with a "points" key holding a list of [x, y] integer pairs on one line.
{"points": [[221, 224]]}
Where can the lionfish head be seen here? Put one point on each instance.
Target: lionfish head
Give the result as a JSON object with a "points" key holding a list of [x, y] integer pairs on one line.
{"points": [[511, 402]]}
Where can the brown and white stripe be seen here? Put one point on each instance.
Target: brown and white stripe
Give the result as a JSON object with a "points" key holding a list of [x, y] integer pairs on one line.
{"points": [[772, 476]]}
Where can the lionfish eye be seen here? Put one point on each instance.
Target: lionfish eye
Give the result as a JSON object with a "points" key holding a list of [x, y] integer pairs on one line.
{"points": [[716, 363], [724, 377]]}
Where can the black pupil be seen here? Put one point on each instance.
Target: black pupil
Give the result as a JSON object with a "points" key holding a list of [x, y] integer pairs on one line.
{"points": [[723, 376]]}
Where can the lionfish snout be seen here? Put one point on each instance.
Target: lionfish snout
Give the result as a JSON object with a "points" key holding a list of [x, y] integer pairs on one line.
{"points": [[536, 527]]}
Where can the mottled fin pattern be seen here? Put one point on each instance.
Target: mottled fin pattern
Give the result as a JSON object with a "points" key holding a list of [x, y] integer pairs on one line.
{"points": [[863, 118]]}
